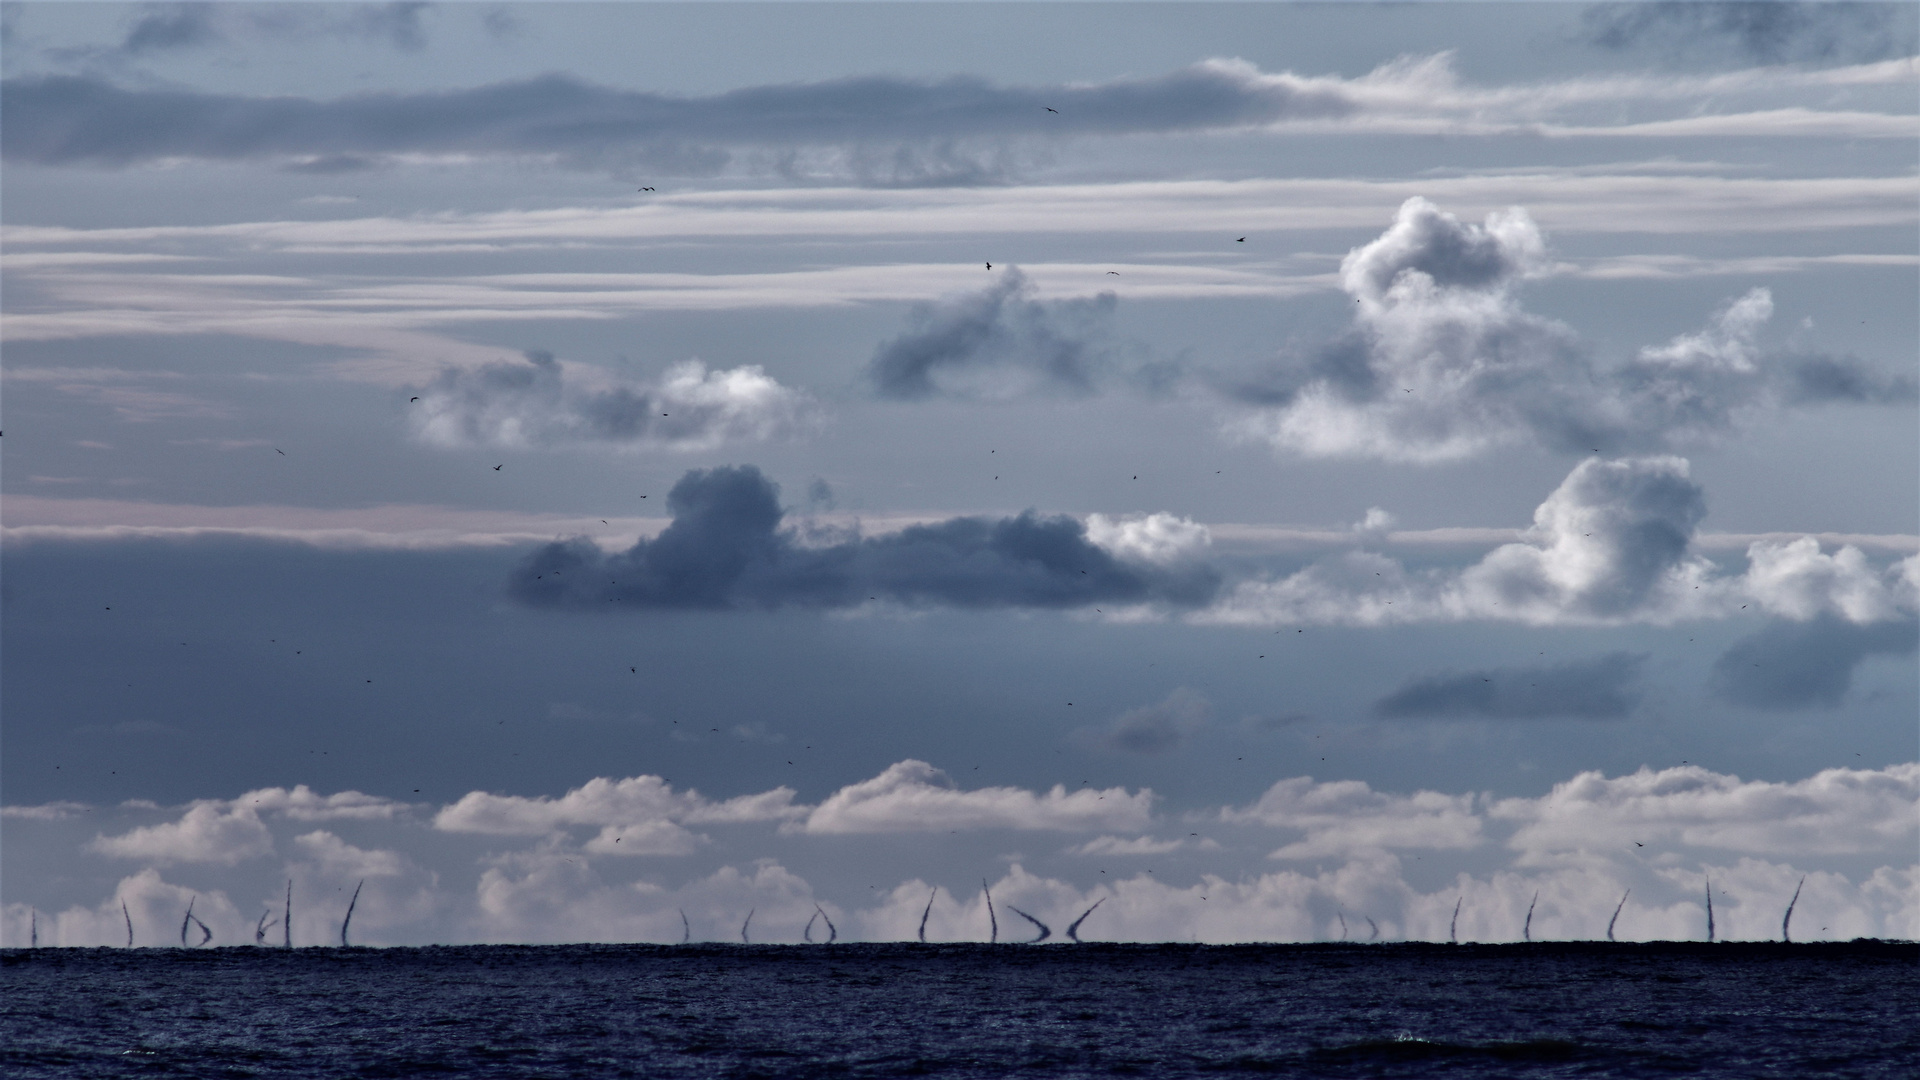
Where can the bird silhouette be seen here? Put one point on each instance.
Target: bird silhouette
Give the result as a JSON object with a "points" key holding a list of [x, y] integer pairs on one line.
{"points": [[989, 266], [1115, 273], [1050, 108], [413, 399], [1242, 240], [496, 468]]}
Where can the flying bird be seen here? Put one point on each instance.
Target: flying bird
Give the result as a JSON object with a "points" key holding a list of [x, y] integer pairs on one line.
{"points": [[1242, 240], [279, 451], [989, 266], [1115, 273], [1050, 108], [496, 468], [413, 399], [646, 189]]}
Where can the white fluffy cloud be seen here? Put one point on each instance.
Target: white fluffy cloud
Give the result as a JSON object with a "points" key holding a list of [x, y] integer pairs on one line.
{"points": [[641, 815], [1346, 818], [543, 402], [1344, 853], [1837, 810], [206, 833], [1161, 539], [1612, 544], [914, 796], [1442, 361]]}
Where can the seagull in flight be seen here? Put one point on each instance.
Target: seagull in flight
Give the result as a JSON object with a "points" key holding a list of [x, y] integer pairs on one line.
{"points": [[646, 189], [1050, 108], [1242, 240], [496, 468], [1115, 273], [989, 266]]}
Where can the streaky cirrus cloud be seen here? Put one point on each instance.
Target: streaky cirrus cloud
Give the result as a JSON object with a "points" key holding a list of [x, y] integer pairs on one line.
{"points": [[913, 796], [726, 549], [543, 402], [1600, 688], [1612, 544], [1795, 665], [77, 120], [998, 342], [1443, 363], [883, 129]]}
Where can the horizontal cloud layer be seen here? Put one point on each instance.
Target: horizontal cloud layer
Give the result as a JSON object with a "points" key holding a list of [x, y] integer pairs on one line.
{"points": [[1443, 362], [726, 549], [1343, 848], [85, 120], [541, 403], [1612, 544], [1600, 688]]}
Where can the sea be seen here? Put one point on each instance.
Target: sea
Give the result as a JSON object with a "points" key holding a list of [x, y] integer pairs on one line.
{"points": [[1797, 1011]]}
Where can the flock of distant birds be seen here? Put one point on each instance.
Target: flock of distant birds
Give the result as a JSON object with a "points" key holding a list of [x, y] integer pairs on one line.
{"points": [[284, 921]]}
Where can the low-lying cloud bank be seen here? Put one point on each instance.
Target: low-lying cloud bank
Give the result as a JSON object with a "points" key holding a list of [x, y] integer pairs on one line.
{"points": [[591, 865], [1442, 361], [542, 403], [1613, 544], [727, 549]]}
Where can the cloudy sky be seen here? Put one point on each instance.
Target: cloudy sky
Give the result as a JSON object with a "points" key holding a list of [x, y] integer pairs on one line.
{"points": [[1276, 472]]}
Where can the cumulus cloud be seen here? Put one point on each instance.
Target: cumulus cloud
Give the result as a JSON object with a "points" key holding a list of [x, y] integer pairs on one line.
{"points": [[542, 402], [726, 549], [1596, 689], [1151, 729], [641, 815], [1834, 811], [999, 342], [1850, 832], [913, 796], [1793, 665], [207, 833], [1443, 362], [228, 831], [1612, 544], [1347, 817]]}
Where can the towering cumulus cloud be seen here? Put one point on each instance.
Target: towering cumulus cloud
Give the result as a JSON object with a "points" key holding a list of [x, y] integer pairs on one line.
{"points": [[541, 402], [1442, 362], [1612, 544], [726, 549]]}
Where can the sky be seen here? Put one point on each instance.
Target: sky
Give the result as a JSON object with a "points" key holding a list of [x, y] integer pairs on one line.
{"points": [[1275, 472]]}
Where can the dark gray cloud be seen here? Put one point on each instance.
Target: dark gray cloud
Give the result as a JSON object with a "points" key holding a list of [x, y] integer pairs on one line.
{"points": [[1769, 31], [1793, 665], [1814, 379], [160, 27], [77, 120], [1597, 689], [1159, 728], [726, 549], [538, 403], [997, 342]]}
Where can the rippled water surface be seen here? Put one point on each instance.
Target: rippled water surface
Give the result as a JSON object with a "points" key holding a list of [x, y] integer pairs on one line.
{"points": [[1735, 1010]]}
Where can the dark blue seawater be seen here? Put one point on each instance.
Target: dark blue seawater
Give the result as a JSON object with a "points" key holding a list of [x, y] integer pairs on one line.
{"points": [[1413, 1010]]}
